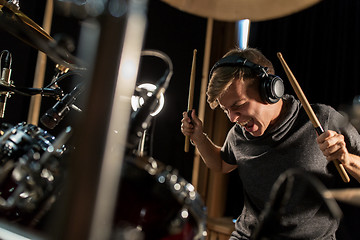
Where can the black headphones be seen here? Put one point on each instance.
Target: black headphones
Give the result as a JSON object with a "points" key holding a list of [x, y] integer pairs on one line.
{"points": [[271, 87]]}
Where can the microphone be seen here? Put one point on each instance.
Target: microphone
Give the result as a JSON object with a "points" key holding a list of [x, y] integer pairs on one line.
{"points": [[140, 120], [54, 115], [5, 81]]}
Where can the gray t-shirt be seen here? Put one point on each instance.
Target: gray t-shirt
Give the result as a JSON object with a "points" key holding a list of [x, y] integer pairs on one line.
{"points": [[290, 144]]}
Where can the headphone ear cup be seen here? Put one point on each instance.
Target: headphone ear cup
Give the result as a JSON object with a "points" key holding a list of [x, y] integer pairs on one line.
{"points": [[271, 88]]}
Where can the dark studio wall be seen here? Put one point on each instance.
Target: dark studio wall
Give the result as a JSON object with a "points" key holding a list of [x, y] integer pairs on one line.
{"points": [[320, 45]]}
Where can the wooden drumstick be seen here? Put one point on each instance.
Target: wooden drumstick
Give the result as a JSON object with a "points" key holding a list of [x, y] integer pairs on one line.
{"points": [[191, 95], [310, 112]]}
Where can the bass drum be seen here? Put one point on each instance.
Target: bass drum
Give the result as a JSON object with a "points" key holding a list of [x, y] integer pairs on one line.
{"points": [[30, 172], [155, 203]]}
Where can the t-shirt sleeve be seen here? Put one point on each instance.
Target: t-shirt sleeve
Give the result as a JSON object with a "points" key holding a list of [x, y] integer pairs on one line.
{"points": [[227, 153]]}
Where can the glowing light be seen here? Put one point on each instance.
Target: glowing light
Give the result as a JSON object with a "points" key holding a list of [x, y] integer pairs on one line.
{"points": [[138, 101], [184, 213], [243, 33], [161, 179]]}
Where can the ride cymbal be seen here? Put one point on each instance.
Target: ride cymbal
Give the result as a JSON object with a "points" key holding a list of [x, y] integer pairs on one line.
{"points": [[22, 27], [234, 10]]}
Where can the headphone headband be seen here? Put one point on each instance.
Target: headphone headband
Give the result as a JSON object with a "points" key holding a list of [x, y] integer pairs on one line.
{"points": [[234, 61]]}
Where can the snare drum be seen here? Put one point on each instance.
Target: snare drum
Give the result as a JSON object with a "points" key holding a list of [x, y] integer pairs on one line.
{"points": [[30, 172], [155, 203]]}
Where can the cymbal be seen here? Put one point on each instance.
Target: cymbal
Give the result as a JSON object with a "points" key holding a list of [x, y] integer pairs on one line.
{"points": [[22, 27], [350, 195], [234, 10]]}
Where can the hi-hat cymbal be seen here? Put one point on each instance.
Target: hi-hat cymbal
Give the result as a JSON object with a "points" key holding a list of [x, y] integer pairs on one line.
{"points": [[350, 196], [22, 27], [234, 10]]}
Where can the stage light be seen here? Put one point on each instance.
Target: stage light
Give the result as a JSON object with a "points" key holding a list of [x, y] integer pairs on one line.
{"points": [[243, 31], [138, 101]]}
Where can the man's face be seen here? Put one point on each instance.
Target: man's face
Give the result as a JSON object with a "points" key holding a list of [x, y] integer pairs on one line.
{"points": [[244, 106]]}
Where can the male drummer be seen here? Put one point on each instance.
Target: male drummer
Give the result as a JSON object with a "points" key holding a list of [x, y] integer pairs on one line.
{"points": [[273, 134]]}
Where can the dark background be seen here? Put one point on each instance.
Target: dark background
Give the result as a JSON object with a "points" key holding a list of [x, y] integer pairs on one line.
{"points": [[320, 45]]}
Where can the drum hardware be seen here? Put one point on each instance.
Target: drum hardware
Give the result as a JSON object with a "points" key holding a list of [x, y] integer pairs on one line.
{"points": [[31, 172], [5, 79], [141, 151], [55, 114], [349, 195], [22, 27], [28, 91], [141, 118], [142, 92], [15, 2], [7, 88], [156, 203]]}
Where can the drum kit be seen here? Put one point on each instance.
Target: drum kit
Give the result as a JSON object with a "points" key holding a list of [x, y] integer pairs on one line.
{"points": [[154, 201]]}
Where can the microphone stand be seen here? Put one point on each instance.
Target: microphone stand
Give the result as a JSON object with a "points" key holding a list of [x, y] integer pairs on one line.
{"points": [[140, 120], [141, 147], [27, 91], [274, 209], [145, 144], [279, 198]]}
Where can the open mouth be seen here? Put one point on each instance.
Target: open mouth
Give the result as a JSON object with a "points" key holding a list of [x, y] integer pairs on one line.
{"points": [[248, 125], [244, 123]]}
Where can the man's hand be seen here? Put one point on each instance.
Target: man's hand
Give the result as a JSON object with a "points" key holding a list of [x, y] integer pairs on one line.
{"points": [[333, 147], [192, 127]]}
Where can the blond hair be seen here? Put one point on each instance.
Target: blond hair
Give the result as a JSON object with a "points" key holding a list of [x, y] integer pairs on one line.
{"points": [[224, 76]]}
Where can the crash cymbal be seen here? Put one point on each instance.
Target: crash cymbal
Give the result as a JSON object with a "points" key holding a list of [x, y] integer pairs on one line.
{"points": [[350, 195], [22, 27], [234, 10]]}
